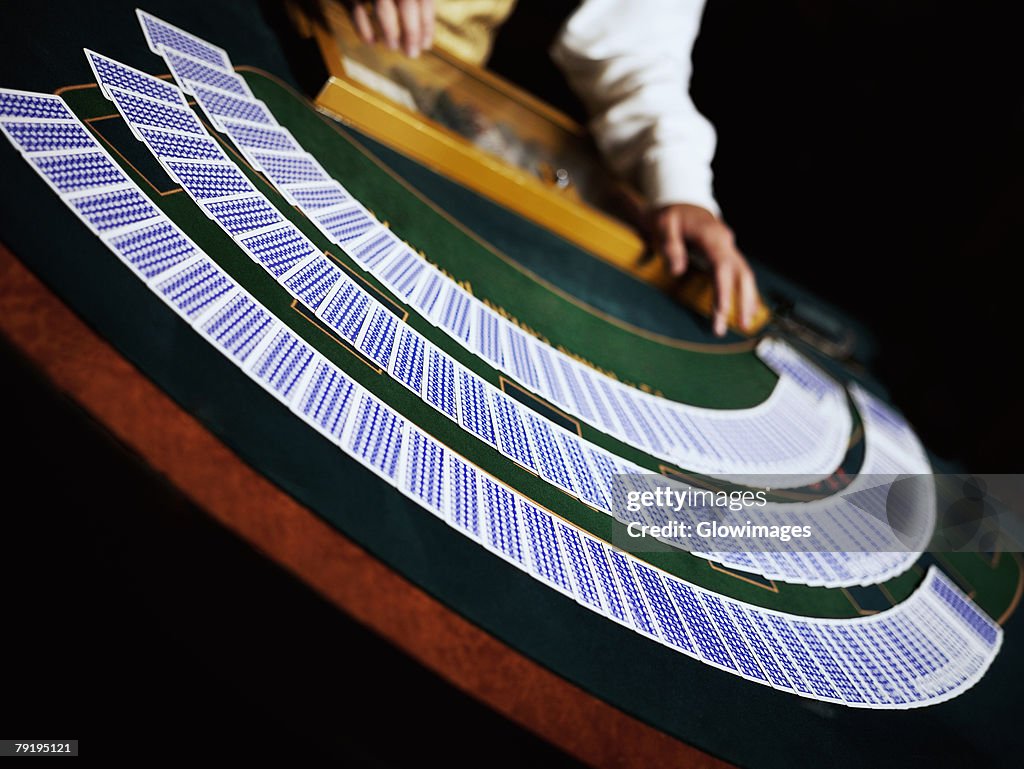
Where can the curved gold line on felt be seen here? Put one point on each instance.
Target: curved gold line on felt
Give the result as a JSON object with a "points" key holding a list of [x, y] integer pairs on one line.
{"points": [[1017, 594]]}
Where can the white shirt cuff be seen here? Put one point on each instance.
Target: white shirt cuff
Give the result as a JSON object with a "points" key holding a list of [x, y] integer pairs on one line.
{"points": [[667, 179]]}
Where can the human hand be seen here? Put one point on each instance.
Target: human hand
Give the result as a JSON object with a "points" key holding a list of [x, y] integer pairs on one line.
{"points": [[409, 23], [676, 225]]}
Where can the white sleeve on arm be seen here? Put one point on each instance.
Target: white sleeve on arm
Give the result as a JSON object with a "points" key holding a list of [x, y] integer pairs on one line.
{"points": [[629, 61]]}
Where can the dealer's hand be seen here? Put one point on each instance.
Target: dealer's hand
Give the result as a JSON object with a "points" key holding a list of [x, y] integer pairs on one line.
{"points": [[409, 23], [676, 225]]}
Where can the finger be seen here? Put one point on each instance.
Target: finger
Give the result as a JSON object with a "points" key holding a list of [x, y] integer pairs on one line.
{"points": [[717, 241], [748, 296], [364, 25], [427, 17], [409, 12], [670, 241], [387, 15], [724, 286]]}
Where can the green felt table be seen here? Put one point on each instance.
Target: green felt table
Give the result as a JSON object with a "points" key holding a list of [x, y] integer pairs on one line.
{"points": [[550, 287]]}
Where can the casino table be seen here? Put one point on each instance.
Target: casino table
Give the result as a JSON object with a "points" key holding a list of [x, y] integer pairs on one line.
{"points": [[597, 690]]}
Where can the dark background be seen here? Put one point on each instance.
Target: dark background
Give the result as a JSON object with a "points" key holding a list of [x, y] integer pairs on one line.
{"points": [[874, 153], [108, 640]]}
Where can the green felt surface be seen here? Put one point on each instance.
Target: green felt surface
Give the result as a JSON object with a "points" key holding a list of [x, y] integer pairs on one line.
{"points": [[535, 301], [396, 203], [435, 223], [722, 714], [531, 299]]}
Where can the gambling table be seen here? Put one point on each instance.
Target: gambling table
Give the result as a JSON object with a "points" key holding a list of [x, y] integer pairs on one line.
{"points": [[598, 691]]}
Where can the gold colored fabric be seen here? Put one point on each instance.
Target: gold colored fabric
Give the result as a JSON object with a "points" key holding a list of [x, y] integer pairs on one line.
{"points": [[466, 28]]}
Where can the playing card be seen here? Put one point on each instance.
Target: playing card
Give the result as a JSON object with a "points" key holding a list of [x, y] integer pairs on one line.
{"points": [[25, 104], [47, 135], [519, 361], [314, 197], [634, 409], [254, 136], [848, 660], [278, 250], [173, 145], [576, 398], [501, 521], [631, 594], [289, 167], [611, 595], [238, 326], [462, 495], [439, 387], [219, 104], [327, 399], [784, 633], [670, 625], [153, 248], [375, 251], [78, 171], [547, 452], [423, 471], [626, 429], [194, 287], [379, 337], [407, 364], [953, 599], [762, 652], [402, 274], [511, 430], [344, 225], [347, 308], [608, 472], [474, 411], [550, 384], [375, 438], [140, 111], [110, 210], [311, 282], [454, 315], [425, 300], [244, 215], [578, 566], [603, 417], [544, 552], [827, 663], [740, 652], [185, 68], [583, 476], [488, 336], [160, 35], [282, 364], [205, 181], [113, 73]]}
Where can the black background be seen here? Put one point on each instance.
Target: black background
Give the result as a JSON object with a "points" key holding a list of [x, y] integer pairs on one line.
{"points": [[874, 153], [109, 640]]}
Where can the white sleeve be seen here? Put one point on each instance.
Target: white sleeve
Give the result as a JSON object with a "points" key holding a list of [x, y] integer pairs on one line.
{"points": [[629, 61]]}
